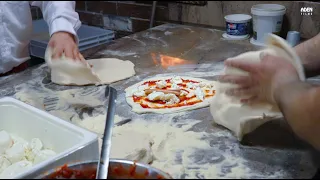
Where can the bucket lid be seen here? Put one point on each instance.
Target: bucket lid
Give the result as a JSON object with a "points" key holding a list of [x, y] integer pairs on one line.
{"points": [[268, 10], [237, 18]]}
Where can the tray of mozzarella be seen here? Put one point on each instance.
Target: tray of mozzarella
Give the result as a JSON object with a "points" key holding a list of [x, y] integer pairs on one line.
{"points": [[17, 155], [33, 141]]}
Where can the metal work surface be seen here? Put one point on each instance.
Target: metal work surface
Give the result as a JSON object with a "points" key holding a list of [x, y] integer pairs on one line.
{"points": [[272, 151]]}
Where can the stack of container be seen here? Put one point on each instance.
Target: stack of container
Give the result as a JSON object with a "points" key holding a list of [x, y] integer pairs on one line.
{"points": [[88, 37]]}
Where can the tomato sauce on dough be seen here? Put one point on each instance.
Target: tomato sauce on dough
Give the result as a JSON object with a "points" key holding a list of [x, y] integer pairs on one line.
{"points": [[184, 101]]}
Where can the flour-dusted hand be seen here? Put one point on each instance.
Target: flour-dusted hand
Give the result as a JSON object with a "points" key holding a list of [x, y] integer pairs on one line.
{"points": [[64, 42], [264, 78]]}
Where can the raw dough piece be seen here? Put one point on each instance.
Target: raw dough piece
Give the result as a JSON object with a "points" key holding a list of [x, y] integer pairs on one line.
{"points": [[139, 148], [243, 119], [65, 71], [138, 109]]}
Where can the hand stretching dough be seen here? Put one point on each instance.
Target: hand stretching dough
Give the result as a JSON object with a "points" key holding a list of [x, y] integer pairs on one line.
{"points": [[65, 71], [241, 118]]}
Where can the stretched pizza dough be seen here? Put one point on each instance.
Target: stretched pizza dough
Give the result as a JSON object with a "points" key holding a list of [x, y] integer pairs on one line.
{"points": [[65, 71], [138, 109], [240, 118]]}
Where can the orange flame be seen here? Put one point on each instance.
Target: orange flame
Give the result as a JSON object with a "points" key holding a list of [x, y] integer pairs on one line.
{"points": [[167, 61]]}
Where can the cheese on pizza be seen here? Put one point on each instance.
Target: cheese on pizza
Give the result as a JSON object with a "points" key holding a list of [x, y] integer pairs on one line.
{"points": [[171, 93]]}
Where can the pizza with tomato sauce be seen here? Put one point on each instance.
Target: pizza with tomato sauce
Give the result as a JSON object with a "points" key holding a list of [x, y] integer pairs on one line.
{"points": [[170, 94]]}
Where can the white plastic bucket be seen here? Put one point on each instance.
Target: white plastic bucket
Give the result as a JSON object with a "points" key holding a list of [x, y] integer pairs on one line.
{"points": [[267, 18], [238, 25]]}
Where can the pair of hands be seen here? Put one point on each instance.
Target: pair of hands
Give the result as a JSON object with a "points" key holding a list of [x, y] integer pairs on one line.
{"points": [[64, 42], [264, 79]]}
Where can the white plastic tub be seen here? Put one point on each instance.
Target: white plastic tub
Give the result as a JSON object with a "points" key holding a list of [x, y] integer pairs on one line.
{"points": [[267, 18], [238, 25], [71, 143]]}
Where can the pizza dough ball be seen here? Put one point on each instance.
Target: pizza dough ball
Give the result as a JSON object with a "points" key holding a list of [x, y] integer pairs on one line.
{"points": [[5, 141], [128, 144]]}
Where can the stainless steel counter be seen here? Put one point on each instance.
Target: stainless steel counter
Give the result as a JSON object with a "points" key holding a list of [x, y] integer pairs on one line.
{"points": [[270, 151]]}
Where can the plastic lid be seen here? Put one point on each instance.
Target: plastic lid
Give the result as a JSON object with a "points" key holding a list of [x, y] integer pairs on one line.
{"points": [[237, 18], [268, 10], [230, 37]]}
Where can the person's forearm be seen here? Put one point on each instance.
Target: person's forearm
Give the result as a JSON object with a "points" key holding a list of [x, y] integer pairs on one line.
{"points": [[309, 52], [60, 16], [300, 105]]}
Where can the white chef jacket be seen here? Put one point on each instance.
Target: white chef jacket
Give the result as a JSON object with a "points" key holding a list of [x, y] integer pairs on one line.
{"points": [[16, 27]]}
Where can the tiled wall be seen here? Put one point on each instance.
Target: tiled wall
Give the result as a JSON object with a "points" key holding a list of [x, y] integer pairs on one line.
{"points": [[127, 17]]}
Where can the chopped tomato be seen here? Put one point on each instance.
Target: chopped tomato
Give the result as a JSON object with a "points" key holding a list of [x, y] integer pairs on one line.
{"points": [[187, 80], [157, 101], [144, 106], [146, 172], [117, 172], [160, 177], [136, 99], [183, 85], [132, 169], [183, 98], [150, 83]]}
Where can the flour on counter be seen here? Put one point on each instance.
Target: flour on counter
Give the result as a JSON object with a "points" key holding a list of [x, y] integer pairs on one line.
{"points": [[118, 53], [167, 33], [205, 151], [168, 146]]}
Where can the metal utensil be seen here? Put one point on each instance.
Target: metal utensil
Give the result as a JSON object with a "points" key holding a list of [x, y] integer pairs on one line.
{"points": [[106, 93], [120, 123], [102, 170]]}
